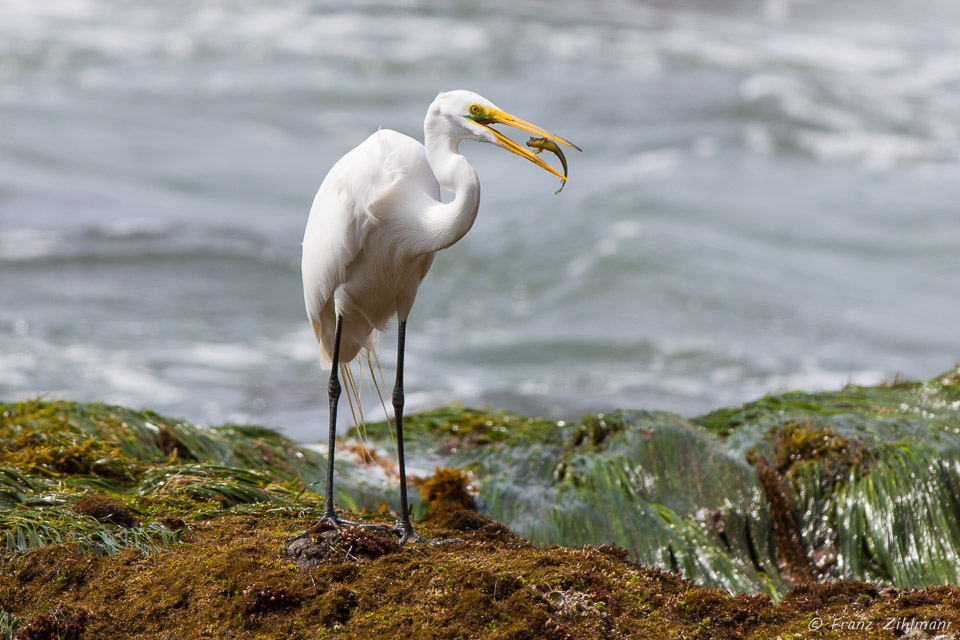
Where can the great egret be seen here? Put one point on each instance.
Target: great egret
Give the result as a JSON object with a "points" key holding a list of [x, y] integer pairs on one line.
{"points": [[374, 227]]}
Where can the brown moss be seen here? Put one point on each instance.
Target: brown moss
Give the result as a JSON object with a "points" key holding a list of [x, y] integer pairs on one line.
{"points": [[465, 521], [800, 443], [597, 428], [791, 556], [59, 566], [339, 606], [367, 543], [231, 579], [821, 595], [265, 599], [934, 596], [598, 587], [328, 545], [59, 623], [734, 617], [172, 445], [106, 509], [174, 523], [524, 616], [447, 490], [342, 574], [614, 551], [481, 526]]}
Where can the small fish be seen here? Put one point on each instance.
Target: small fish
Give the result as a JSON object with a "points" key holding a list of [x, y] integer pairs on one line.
{"points": [[541, 144]]}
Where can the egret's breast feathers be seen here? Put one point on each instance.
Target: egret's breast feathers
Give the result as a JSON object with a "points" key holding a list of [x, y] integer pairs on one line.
{"points": [[364, 210]]}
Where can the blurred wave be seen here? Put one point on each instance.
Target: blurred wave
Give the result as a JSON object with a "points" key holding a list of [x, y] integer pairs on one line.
{"points": [[767, 198]]}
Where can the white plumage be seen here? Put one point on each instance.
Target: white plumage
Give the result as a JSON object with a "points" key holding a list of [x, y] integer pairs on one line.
{"points": [[374, 227], [357, 239]]}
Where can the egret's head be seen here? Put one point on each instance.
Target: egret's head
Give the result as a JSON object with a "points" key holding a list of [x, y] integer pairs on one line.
{"points": [[469, 116]]}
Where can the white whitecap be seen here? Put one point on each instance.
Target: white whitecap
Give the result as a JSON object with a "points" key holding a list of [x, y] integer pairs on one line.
{"points": [[874, 151]]}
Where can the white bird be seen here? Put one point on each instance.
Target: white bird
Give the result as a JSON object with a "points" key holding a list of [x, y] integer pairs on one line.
{"points": [[375, 226]]}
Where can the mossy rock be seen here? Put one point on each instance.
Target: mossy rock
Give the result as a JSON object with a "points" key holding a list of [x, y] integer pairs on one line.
{"points": [[201, 555], [232, 580]]}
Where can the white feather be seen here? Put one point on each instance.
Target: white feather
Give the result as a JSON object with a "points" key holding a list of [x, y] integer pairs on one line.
{"points": [[377, 221]]}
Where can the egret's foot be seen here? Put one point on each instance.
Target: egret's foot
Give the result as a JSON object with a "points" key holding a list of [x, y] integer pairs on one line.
{"points": [[331, 521], [327, 521], [407, 534]]}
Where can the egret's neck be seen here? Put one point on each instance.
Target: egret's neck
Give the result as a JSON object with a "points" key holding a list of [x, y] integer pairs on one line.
{"points": [[449, 222]]}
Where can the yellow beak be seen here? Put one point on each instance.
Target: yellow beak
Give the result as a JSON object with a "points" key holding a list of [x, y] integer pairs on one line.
{"points": [[495, 116]]}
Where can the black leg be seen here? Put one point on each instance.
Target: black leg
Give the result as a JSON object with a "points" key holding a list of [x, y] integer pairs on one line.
{"points": [[404, 524], [404, 527], [333, 392]]}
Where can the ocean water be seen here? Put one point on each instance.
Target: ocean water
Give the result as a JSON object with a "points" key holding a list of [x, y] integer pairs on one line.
{"points": [[768, 198]]}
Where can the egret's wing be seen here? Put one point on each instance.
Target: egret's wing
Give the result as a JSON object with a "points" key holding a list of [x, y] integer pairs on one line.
{"points": [[361, 188]]}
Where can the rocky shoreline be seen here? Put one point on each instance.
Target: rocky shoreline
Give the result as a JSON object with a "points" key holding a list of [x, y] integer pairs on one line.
{"points": [[798, 515]]}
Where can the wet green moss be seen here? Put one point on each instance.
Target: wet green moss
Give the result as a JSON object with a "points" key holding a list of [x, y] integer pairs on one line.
{"points": [[598, 427], [452, 428], [937, 400], [231, 579], [201, 555], [105, 478], [867, 475], [801, 443]]}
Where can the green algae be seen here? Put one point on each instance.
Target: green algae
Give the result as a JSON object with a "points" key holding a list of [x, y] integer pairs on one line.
{"points": [[863, 485], [873, 493], [896, 522], [8, 622], [56, 453], [936, 402], [649, 487], [452, 428], [873, 473], [645, 481], [858, 484]]}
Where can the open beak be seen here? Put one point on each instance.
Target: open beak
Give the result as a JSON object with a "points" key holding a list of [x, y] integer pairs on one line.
{"points": [[494, 116]]}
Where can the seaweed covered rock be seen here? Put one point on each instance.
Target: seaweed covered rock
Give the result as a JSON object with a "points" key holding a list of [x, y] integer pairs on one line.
{"points": [[652, 483], [145, 526], [859, 483], [231, 579]]}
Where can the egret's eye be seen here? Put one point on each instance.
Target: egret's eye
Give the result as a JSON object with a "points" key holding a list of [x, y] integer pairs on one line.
{"points": [[475, 109]]}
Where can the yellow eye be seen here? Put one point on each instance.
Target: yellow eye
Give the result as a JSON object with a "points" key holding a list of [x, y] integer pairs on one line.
{"points": [[475, 109]]}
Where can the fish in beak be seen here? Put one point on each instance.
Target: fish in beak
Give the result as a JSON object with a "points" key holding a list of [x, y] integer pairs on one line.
{"points": [[486, 116]]}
